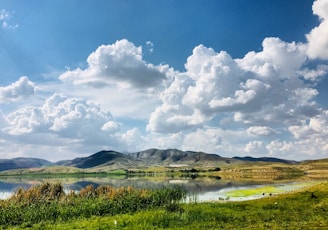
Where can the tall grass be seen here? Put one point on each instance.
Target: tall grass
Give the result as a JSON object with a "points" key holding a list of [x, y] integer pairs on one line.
{"points": [[48, 202]]}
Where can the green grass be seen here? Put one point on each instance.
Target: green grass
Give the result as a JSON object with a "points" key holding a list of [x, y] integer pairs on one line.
{"points": [[304, 209], [268, 189], [254, 191], [300, 210]]}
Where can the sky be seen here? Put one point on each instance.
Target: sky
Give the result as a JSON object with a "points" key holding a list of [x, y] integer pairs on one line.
{"points": [[230, 77]]}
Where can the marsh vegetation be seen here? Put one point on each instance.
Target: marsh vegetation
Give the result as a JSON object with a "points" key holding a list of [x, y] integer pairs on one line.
{"points": [[46, 207], [48, 203]]}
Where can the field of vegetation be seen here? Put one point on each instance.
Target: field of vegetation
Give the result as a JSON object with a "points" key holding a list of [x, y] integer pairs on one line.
{"points": [[46, 206]]}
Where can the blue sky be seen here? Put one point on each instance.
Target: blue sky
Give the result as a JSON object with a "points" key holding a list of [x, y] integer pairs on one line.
{"points": [[230, 77]]}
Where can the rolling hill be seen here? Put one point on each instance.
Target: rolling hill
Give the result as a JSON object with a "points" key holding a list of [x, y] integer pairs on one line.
{"points": [[175, 156], [102, 159], [23, 162], [266, 159], [109, 160], [158, 157]]}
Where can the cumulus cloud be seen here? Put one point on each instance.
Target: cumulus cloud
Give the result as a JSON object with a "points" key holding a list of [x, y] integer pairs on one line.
{"points": [[317, 38], [18, 90], [310, 139], [119, 64], [260, 88], [314, 74], [133, 140], [281, 147], [278, 59], [173, 116], [315, 127], [260, 131], [256, 147], [207, 140], [64, 117]]}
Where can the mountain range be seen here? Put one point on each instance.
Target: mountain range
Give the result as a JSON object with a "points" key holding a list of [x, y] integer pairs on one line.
{"points": [[151, 157]]}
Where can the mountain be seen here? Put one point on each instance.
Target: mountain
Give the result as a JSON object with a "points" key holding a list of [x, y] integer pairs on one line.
{"points": [[101, 159], [149, 157], [175, 156], [201, 158], [157, 156], [23, 162], [109, 160], [266, 159]]}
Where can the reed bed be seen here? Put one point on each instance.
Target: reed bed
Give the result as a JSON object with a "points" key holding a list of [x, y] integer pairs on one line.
{"points": [[49, 203]]}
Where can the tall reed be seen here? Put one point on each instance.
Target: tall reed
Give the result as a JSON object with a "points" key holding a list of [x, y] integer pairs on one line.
{"points": [[48, 202]]}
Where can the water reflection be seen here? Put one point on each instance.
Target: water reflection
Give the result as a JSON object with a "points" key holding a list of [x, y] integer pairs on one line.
{"points": [[199, 188]]}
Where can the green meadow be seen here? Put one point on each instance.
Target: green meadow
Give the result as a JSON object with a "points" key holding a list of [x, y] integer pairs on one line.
{"points": [[46, 206]]}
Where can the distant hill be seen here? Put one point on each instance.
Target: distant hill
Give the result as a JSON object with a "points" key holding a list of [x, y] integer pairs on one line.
{"points": [[175, 156], [157, 156], [101, 159], [43, 170], [151, 157], [201, 158], [109, 160], [23, 162], [266, 159]]}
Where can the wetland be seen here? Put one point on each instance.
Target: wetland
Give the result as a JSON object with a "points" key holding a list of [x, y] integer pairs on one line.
{"points": [[199, 188]]}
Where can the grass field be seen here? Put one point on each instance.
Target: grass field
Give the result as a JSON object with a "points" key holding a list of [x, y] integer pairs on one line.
{"points": [[141, 209]]}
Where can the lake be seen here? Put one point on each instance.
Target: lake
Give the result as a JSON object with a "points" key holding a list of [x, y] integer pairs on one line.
{"points": [[199, 189]]}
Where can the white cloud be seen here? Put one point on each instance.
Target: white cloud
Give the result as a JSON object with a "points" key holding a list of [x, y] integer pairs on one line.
{"points": [[133, 140], [316, 127], [320, 8], [66, 125], [18, 90], [260, 131], [278, 60], [314, 74], [4, 14], [206, 140], [260, 88], [256, 147], [225, 142], [63, 117], [119, 64], [317, 38], [173, 116], [284, 148], [299, 150], [4, 18], [127, 103], [310, 139]]}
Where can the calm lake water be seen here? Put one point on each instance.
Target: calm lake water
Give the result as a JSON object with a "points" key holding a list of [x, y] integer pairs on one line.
{"points": [[199, 189]]}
